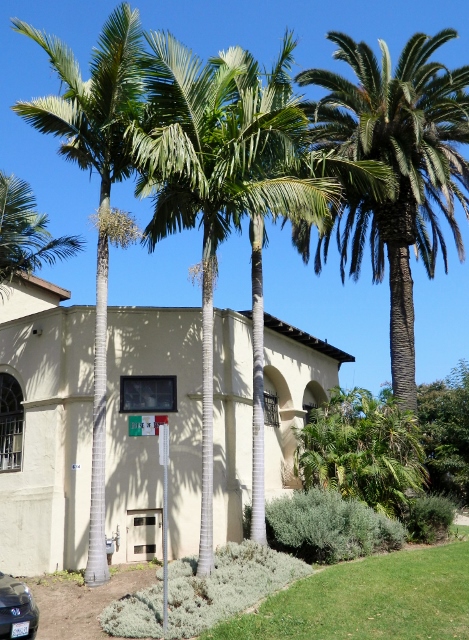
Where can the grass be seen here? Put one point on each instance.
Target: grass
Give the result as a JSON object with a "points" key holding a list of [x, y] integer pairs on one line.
{"points": [[459, 530], [78, 576], [407, 595]]}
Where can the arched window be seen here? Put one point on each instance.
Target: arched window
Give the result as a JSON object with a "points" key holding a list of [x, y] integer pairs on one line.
{"points": [[11, 423], [271, 415]]}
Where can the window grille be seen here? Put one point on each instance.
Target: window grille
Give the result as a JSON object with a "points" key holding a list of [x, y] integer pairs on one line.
{"points": [[11, 424], [271, 416], [11, 444], [308, 408]]}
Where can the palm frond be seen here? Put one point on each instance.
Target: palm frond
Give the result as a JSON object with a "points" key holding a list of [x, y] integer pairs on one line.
{"points": [[116, 66], [293, 198], [61, 58], [177, 83]]}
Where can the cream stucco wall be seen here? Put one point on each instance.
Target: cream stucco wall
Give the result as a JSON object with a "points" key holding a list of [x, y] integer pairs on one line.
{"points": [[48, 502], [21, 298]]}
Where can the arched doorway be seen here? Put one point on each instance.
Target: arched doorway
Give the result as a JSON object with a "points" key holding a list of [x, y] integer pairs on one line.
{"points": [[11, 423]]}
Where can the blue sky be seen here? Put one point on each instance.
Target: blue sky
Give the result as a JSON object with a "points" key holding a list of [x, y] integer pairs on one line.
{"points": [[353, 317]]}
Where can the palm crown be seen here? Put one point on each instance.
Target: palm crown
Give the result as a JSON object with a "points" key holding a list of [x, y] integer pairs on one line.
{"points": [[91, 116], [412, 121]]}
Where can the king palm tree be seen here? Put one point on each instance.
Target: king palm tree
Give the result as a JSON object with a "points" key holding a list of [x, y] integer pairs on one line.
{"points": [[204, 161], [413, 121], [91, 118], [25, 242], [285, 153]]}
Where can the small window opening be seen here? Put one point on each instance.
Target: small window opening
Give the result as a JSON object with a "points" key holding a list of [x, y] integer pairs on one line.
{"points": [[271, 415]]}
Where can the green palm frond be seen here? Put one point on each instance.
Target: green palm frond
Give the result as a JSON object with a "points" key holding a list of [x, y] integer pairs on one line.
{"points": [[368, 122], [116, 65], [386, 70], [175, 209], [178, 83], [410, 54], [61, 58], [362, 175], [293, 198], [342, 89], [25, 242], [165, 153], [53, 115], [348, 51], [242, 65]]}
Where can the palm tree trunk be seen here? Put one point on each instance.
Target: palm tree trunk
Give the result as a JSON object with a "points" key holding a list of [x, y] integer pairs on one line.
{"points": [[206, 558], [97, 571], [402, 326], [258, 530]]}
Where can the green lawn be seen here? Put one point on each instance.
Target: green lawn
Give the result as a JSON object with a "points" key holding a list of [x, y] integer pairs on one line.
{"points": [[407, 595], [459, 529]]}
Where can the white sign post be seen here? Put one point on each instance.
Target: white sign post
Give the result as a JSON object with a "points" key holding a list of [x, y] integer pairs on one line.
{"points": [[164, 459], [158, 426]]}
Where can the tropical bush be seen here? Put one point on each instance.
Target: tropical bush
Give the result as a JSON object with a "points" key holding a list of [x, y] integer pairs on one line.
{"points": [[319, 526], [444, 420], [429, 518], [363, 447], [244, 573]]}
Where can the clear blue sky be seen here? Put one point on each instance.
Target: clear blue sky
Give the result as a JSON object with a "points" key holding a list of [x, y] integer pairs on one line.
{"points": [[354, 317]]}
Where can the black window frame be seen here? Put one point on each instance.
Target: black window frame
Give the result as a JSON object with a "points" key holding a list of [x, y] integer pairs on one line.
{"points": [[271, 410], [156, 410], [11, 424]]}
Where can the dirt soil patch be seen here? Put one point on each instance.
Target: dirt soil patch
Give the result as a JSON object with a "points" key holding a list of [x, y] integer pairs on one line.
{"points": [[68, 610]]}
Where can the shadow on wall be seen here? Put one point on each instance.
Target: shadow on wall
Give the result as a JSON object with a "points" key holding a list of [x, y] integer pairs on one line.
{"points": [[140, 342], [237, 379], [134, 477]]}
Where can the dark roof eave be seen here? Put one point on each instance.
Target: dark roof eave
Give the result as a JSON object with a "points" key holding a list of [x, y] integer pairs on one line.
{"points": [[271, 322]]}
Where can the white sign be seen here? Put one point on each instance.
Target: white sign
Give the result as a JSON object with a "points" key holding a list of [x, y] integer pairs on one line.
{"points": [[164, 444], [76, 467]]}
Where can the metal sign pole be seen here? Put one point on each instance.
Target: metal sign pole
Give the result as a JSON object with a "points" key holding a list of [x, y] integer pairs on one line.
{"points": [[164, 433]]}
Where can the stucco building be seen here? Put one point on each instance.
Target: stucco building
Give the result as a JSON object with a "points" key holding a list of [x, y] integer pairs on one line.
{"points": [[154, 367]]}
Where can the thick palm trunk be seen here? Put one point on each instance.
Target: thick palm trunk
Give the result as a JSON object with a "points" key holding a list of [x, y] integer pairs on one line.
{"points": [[258, 531], [206, 559], [97, 571], [402, 326]]}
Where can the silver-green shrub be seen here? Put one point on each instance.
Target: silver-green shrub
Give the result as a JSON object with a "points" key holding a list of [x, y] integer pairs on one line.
{"points": [[320, 526], [244, 573]]}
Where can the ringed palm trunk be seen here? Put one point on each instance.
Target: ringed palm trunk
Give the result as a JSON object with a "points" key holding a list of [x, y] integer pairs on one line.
{"points": [[258, 530], [402, 325], [97, 571], [206, 559]]}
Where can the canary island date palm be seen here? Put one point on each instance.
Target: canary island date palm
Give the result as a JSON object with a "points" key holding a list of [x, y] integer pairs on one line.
{"points": [[202, 162], [25, 243], [90, 118], [414, 121]]}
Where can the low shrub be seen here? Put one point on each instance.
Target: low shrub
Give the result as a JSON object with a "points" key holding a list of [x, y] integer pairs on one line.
{"points": [[243, 575], [319, 526], [429, 518]]}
